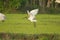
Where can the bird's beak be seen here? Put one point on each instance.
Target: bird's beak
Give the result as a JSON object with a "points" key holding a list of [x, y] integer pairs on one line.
{"points": [[25, 17]]}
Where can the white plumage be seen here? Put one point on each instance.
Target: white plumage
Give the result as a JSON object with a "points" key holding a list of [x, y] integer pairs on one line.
{"points": [[57, 1], [2, 17], [32, 15]]}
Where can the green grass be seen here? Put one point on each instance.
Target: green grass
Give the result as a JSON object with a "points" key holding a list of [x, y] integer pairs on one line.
{"points": [[16, 23]]}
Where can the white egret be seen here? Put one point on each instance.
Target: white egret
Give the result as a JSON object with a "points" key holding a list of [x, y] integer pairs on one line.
{"points": [[32, 15], [2, 17]]}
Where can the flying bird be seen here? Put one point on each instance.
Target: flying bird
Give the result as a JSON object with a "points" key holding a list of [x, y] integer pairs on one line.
{"points": [[2, 17], [32, 14]]}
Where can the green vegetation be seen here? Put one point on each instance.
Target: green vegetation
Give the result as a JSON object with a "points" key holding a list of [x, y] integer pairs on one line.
{"points": [[17, 23], [17, 36], [23, 5], [18, 27]]}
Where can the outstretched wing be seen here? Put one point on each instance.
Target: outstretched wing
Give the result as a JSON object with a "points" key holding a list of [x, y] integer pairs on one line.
{"points": [[34, 12], [28, 12]]}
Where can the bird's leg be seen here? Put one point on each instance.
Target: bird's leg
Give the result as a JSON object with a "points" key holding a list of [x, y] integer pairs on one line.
{"points": [[34, 24]]}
